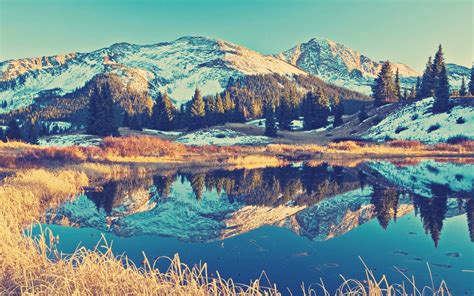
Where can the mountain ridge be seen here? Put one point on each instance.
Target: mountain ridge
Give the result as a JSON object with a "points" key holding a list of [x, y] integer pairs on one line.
{"points": [[179, 66]]}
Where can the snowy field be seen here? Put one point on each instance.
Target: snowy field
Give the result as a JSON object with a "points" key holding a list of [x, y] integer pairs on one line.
{"points": [[221, 137], [158, 132], [417, 122], [69, 140], [296, 125]]}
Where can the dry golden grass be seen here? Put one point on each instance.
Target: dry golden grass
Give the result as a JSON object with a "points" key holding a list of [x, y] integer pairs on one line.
{"points": [[254, 161]]}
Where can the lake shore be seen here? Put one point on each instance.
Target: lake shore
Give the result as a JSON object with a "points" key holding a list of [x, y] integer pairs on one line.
{"points": [[36, 179]]}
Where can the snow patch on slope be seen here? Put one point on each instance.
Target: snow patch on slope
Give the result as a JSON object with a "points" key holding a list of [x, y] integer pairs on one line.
{"points": [[69, 140], [220, 137], [413, 121]]}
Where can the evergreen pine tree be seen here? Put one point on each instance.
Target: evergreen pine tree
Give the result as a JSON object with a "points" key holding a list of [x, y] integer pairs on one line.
{"points": [[31, 132], [441, 92], [136, 122], [229, 105], [316, 110], [338, 108], [427, 82], [210, 106], [471, 82], [3, 138], [398, 91], [163, 113], [239, 114], [462, 89], [417, 88], [197, 111], [363, 114], [438, 62], [220, 111], [285, 114], [405, 95], [384, 89], [412, 94], [270, 120], [102, 112], [13, 130]]}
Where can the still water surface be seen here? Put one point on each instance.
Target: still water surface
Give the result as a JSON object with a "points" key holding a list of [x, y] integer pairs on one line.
{"points": [[298, 223]]}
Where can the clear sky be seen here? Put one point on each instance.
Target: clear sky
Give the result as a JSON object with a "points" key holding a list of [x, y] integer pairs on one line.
{"points": [[400, 30]]}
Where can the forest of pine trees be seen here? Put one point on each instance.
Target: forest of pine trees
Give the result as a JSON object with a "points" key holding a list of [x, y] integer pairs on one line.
{"points": [[102, 112], [261, 96], [105, 104]]}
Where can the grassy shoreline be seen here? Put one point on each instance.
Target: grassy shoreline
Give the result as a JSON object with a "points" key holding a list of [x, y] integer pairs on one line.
{"points": [[40, 178]]}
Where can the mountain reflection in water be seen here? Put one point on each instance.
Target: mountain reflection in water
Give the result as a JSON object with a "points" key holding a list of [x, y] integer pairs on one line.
{"points": [[315, 200]]}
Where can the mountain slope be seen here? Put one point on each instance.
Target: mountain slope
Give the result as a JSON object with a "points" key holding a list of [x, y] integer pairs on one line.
{"points": [[177, 67], [343, 66], [416, 121]]}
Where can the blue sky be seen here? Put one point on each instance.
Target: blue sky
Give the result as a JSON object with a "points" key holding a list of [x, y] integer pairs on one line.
{"points": [[400, 30]]}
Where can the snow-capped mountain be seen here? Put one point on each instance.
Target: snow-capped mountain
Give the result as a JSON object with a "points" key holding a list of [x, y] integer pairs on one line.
{"points": [[177, 67], [343, 66]]}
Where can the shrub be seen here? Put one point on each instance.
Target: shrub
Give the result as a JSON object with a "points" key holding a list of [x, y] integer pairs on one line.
{"points": [[141, 146], [433, 127], [454, 140], [345, 145], [71, 154], [461, 120], [406, 144], [414, 117], [400, 129]]}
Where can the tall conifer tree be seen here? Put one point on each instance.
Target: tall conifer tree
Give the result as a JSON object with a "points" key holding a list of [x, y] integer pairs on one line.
{"points": [[338, 111], [316, 110], [471, 82], [270, 119], [197, 110], [102, 112], [163, 113], [427, 81], [441, 92], [13, 130], [462, 89], [384, 89], [398, 91], [220, 111], [417, 87]]}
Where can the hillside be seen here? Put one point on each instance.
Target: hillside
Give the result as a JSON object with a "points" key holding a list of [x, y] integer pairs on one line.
{"points": [[416, 121]]}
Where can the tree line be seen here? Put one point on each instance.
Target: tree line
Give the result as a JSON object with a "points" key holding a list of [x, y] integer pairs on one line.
{"points": [[273, 97], [433, 83]]}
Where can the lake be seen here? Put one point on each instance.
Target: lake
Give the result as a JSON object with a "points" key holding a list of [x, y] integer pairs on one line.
{"points": [[299, 223]]}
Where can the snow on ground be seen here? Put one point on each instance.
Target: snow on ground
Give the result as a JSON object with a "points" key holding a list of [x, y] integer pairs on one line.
{"points": [[158, 132], [59, 125], [220, 137], [421, 177], [296, 125], [413, 122], [69, 140]]}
